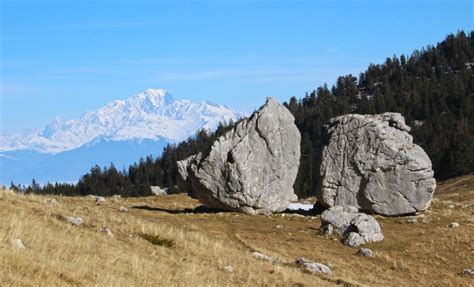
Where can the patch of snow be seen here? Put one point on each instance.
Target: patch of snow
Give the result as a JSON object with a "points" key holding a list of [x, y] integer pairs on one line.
{"points": [[300, 206]]}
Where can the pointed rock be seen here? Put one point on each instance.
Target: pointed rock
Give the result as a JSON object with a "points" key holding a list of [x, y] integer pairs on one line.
{"points": [[251, 168]]}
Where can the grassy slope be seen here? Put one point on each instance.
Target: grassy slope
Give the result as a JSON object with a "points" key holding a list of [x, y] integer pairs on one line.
{"points": [[58, 253]]}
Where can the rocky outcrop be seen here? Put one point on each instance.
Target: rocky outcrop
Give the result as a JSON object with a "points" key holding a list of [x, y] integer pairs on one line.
{"points": [[355, 228], [370, 162], [252, 167]]}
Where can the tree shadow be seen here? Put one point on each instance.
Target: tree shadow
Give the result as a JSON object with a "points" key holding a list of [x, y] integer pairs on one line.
{"points": [[197, 210]]}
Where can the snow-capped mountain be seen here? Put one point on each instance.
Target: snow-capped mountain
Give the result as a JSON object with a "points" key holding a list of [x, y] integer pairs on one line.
{"points": [[153, 114], [120, 133]]}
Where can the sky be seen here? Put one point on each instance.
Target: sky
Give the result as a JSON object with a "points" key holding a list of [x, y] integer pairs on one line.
{"points": [[62, 58]]}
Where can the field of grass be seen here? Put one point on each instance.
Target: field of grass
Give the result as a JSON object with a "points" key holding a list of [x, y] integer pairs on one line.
{"points": [[170, 241]]}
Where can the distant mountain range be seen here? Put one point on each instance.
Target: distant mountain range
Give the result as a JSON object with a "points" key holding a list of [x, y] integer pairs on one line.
{"points": [[120, 132]]}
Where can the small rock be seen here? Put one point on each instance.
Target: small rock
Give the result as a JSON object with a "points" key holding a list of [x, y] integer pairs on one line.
{"points": [[51, 202], [229, 269], [412, 220], [265, 257], [327, 229], [313, 267], [365, 252], [354, 239], [425, 220], [468, 271], [451, 206], [123, 209], [107, 231], [156, 190], [77, 221], [116, 196], [18, 243], [453, 225], [99, 200]]}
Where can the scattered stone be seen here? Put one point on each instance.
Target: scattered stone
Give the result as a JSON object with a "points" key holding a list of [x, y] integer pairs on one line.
{"points": [[251, 168], [51, 202], [261, 256], [451, 206], [99, 200], [425, 220], [327, 229], [107, 231], [412, 220], [453, 225], [468, 271], [229, 269], [77, 221], [370, 162], [116, 196], [355, 228], [17, 243], [313, 267], [365, 252], [123, 209], [156, 190]]}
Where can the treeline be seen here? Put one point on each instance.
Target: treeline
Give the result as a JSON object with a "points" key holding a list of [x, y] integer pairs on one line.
{"points": [[432, 88], [136, 181]]}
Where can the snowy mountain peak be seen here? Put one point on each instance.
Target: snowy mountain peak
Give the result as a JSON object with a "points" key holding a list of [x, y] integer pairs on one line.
{"points": [[156, 97], [152, 114]]}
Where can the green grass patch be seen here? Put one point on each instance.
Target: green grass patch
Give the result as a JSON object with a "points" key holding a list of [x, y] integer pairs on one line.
{"points": [[157, 240]]}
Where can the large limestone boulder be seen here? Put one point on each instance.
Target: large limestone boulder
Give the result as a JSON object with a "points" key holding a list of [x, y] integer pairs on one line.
{"points": [[251, 168], [370, 162]]}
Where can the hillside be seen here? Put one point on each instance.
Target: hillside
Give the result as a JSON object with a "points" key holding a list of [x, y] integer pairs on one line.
{"points": [[424, 253]]}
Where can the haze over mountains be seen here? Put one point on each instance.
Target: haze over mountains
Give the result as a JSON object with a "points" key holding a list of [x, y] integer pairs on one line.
{"points": [[120, 132]]}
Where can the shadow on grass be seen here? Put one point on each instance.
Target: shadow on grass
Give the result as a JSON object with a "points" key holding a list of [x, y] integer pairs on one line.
{"points": [[197, 210], [316, 210]]}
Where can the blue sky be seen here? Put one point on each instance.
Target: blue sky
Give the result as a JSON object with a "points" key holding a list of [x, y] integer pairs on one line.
{"points": [[65, 57]]}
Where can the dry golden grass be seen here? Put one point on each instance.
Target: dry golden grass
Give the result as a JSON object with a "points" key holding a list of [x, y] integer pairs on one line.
{"points": [[58, 253]]}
